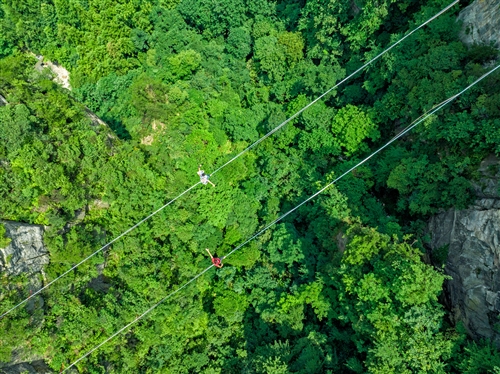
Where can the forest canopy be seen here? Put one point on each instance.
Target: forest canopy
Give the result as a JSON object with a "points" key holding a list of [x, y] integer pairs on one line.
{"points": [[340, 285]]}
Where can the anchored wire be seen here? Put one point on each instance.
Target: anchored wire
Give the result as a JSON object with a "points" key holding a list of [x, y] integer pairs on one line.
{"points": [[96, 252], [237, 156], [334, 87], [415, 123], [139, 317]]}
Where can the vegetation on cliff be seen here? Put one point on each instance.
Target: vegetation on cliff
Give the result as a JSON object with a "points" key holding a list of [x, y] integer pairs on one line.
{"points": [[339, 285]]}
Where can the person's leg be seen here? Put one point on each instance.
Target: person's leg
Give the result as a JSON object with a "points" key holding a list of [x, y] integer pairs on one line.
{"points": [[209, 253], [208, 180]]}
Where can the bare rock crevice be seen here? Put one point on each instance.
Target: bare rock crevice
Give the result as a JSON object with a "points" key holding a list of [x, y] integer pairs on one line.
{"points": [[61, 75]]}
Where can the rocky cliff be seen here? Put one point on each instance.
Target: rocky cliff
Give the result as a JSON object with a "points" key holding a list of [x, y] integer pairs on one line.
{"points": [[26, 252], [481, 23], [472, 239], [35, 367], [468, 241]]}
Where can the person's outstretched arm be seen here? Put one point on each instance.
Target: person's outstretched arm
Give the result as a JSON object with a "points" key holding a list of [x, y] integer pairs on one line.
{"points": [[209, 253]]}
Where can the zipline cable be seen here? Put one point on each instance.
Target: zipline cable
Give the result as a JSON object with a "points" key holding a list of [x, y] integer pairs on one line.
{"points": [[427, 111], [416, 122], [239, 154], [138, 318], [334, 87], [99, 250]]}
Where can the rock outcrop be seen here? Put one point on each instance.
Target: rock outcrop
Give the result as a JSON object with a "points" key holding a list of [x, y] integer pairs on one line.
{"points": [[61, 75], [481, 23], [472, 237], [23, 368], [35, 367], [26, 252]]}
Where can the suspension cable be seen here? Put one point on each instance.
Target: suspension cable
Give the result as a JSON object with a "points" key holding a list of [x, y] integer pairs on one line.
{"points": [[416, 122], [96, 252], [334, 87], [237, 156], [258, 141]]}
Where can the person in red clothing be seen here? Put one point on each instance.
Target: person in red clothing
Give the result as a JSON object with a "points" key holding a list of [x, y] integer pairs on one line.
{"points": [[215, 260]]}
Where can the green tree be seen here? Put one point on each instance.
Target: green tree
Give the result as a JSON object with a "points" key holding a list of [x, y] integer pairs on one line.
{"points": [[4, 240], [389, 298]]}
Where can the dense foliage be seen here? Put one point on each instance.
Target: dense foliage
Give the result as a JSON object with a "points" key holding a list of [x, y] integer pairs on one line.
{"points": [[339, 285]]}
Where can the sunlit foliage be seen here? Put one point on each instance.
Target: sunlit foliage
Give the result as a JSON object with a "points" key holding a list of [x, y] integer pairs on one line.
{"points": [[337, 286]]}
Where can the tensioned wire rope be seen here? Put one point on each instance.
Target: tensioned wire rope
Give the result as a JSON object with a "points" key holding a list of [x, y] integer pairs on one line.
{"points": [[269, 225], [334, 87], [99, 250], [258, 141]]}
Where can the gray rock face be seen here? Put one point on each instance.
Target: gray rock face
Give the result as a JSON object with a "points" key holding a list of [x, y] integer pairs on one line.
{"points": [[487, 188], [473, 263], [18, 369], [26, 253], [473, 240], [481, 23], [35, 367]]}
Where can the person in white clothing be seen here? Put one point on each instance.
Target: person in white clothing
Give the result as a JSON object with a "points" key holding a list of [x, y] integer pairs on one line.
{"points": [[204, 177]]}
